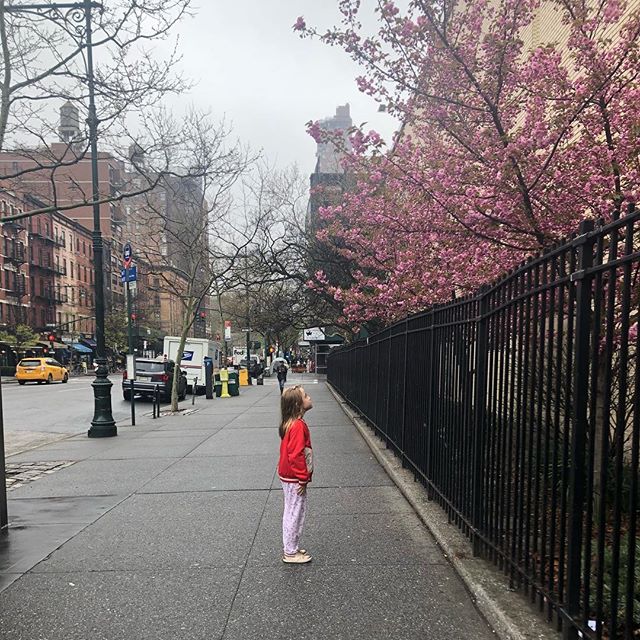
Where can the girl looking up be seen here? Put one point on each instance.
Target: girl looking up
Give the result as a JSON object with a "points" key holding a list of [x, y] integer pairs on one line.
{"points": [[295, 469]]}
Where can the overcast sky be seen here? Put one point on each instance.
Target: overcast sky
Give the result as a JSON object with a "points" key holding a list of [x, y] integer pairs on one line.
{"points": [[253, 69]]}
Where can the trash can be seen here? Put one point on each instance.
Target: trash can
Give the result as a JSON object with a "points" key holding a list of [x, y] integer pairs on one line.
{"points": [[217, 385], [244, 377], [234, 387]]}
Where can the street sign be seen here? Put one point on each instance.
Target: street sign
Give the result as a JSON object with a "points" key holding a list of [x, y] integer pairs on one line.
{"points": [[127, 255], [227, 329], [313, 334], [129, 275]]}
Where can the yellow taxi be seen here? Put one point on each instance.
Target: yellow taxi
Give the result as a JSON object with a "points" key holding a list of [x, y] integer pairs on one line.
{"points": [[41, 370]]}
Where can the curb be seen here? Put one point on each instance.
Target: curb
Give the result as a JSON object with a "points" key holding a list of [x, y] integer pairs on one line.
{"points": [[507, 612]]}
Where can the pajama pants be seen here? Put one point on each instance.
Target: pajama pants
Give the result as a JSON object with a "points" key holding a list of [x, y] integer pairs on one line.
{"points": [[295, 509]]}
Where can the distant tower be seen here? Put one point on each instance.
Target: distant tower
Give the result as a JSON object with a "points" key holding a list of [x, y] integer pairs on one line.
{"points": [[136, 155], [328, 155], [69, 130]]}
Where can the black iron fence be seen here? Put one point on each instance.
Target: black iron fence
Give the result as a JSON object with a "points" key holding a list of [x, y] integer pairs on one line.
{"points": [[519, 409]]}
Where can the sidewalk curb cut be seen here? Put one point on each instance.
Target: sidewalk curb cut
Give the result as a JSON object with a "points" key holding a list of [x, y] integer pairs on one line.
{"points": [[486, 584]]}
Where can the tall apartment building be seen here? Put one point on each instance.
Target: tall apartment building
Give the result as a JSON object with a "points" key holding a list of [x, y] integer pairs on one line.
{"points": [[71, 183], [74, 292], [329, 181], [168, 231], [14, 276], [41, 269]]}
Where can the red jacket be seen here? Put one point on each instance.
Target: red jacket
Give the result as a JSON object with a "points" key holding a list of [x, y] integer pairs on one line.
{"points": [[296, 457]]}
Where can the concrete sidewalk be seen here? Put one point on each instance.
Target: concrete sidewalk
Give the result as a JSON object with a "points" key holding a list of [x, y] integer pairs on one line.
{"points": [[172, 531]]}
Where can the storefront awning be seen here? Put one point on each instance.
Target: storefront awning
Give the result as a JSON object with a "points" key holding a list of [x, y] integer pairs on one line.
{"points": [[80, 348], [89, 342]]}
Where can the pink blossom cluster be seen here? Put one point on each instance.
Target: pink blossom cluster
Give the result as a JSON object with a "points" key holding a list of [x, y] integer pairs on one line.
{"points": [[503, 149]]}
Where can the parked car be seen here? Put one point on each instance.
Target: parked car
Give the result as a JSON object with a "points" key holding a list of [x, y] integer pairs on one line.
{"points": [[41, 370], [151, 373]]}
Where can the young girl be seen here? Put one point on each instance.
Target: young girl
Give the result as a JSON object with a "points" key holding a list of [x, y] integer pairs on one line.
{"points": [[295, 469]]}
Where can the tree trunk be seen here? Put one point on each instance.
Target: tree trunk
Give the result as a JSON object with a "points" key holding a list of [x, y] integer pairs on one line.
{"points": [[187, 321]]}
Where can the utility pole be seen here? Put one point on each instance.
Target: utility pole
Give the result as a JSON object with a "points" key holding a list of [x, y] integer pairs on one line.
{"points": [[246, 284]]}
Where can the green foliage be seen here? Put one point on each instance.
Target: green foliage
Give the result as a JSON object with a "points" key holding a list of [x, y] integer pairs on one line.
{"points": [[115, 331], [622, 582], [20, 336]]}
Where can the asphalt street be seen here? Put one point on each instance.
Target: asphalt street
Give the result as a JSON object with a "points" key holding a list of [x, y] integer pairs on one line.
{"points": [[36, 414]]}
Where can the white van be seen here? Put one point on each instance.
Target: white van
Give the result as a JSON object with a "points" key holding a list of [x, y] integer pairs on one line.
{"points": [[195, 351]]}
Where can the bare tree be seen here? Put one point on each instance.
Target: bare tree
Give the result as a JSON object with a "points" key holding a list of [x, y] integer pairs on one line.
{"points": [[43, 66], [287, 252], [184, 229]]}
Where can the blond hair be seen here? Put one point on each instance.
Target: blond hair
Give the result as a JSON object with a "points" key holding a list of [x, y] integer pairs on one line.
{"points": [[290, 408]]}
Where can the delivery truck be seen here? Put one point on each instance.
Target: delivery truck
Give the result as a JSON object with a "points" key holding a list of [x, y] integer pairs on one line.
{"points": [[195, 351]]}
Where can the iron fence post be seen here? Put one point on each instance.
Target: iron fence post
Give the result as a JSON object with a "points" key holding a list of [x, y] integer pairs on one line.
{"points": [[480, 414], [404, 391], [4, 511], [578, 406]]}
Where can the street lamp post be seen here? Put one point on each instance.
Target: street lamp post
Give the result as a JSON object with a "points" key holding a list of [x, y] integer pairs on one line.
{"points": [[103, 425]]}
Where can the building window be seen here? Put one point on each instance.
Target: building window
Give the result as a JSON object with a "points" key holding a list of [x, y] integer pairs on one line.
{"points": [[71, 269], [84, 248], [64, 241], [77, 245]]}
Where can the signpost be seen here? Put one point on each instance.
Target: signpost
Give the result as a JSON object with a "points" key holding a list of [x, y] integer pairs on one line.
{"points": [[129, 274]]}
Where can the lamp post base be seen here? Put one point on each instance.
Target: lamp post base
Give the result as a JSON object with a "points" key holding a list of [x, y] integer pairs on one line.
{"points": [[103, 425]]}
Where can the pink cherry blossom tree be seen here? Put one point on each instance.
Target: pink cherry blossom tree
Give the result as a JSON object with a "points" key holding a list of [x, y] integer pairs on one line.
{"points": [[504, 146]]}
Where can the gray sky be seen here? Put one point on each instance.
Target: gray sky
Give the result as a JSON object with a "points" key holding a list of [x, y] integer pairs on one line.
{"points": [[251, 68]]}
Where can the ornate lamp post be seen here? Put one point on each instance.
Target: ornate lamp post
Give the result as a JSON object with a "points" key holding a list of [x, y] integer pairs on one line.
{"points": [[75, 14]]}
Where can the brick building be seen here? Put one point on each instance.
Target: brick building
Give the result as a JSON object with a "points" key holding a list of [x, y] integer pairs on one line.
{"points": [[73, 263], [14, 277], [41, 270], [60, 174]]}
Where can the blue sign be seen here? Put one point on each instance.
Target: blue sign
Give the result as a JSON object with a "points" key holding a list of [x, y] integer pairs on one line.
{"points": [[127, 254], [129, 275], [187, 355]]}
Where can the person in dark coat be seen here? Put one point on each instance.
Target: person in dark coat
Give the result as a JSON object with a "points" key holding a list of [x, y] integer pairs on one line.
{"points": [[281, 371]]}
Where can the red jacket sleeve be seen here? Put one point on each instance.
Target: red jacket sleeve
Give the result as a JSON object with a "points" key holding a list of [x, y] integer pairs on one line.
{"points": [[295, 451]]}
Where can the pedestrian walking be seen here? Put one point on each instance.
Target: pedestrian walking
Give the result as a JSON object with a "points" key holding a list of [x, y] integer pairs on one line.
{"points": [[281, 371], [295, 469]]}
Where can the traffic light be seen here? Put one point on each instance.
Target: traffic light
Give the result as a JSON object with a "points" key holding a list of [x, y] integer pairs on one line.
{"points": [[271, 349], [133, 317], [203, 315], [51, 337]]}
